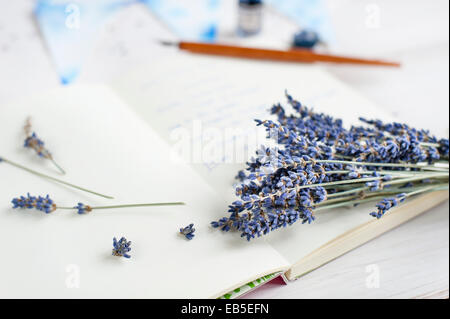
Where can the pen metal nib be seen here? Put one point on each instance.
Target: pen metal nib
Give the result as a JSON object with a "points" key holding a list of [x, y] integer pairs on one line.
{"points": [[168, 42]]}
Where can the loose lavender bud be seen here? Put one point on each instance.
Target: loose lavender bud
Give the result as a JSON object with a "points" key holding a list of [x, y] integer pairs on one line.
{"points": [[83, 209], [188, 231], [121, 248]]}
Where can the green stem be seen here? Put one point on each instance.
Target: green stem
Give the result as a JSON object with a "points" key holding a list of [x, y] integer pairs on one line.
{"points": [[429, 144], [349, 203], [424, 166], [425, 189], [374, 198], [360, 180], [395, 182], [350, 191], [368, 179], [347, 181], [384, 172], [412, 179], [58, 167], [53, 179], [139, 205], [382, 192], [339, 199], [130, 205]]}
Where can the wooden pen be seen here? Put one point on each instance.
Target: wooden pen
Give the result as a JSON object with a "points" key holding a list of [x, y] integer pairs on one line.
{"points": [[297, 55]]}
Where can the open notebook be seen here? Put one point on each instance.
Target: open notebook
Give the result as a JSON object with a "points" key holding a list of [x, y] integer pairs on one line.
{"points": [[119, 139]]}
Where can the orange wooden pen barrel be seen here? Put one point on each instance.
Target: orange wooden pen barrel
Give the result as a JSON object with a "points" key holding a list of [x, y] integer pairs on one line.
{"points": [[303, 56]]}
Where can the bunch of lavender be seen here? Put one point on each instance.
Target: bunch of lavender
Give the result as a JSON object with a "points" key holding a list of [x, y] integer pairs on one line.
{"points": [[320, 164]]}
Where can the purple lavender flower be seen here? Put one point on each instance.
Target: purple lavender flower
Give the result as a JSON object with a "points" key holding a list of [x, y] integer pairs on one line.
{"points": [[37, 145], [386, 204], [83, 209], [121, 248], [188, 231], [240, 176], [34, 142], [443, 147], [44, 204]]}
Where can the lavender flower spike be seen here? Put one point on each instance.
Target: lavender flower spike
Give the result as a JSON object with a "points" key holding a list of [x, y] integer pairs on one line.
{"points": [[386, 204], [188, 231], [121, 248], [44, 204], [34, 142]]}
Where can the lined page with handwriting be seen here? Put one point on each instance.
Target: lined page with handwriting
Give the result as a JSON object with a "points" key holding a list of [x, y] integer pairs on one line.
{"points": [[208, 105]]}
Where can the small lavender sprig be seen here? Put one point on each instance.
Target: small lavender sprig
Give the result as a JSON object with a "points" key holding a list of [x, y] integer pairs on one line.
{"points": [[47, 205], [32, 141], [188, 231], [29, 170], [121, 247], [388, 203]]}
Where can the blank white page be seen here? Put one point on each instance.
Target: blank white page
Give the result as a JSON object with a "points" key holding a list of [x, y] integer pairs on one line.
{"points": [[105, 147]]}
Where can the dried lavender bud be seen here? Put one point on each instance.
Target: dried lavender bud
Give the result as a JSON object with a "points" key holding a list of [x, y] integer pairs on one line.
{"points": [[121, 248], [188, 231]]}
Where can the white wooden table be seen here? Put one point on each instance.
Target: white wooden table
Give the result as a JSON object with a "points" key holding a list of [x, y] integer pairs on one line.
{"points": [[412, 260]]}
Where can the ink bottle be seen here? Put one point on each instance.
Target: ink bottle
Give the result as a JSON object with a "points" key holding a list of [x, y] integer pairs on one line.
{"points": [[250, 17]]}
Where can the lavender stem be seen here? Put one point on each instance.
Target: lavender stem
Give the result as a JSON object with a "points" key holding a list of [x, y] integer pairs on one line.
{"points": [[52, 178]]}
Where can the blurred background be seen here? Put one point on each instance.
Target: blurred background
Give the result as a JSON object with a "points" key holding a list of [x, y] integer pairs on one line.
{"points": [[104, 38], [49, 43]]}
